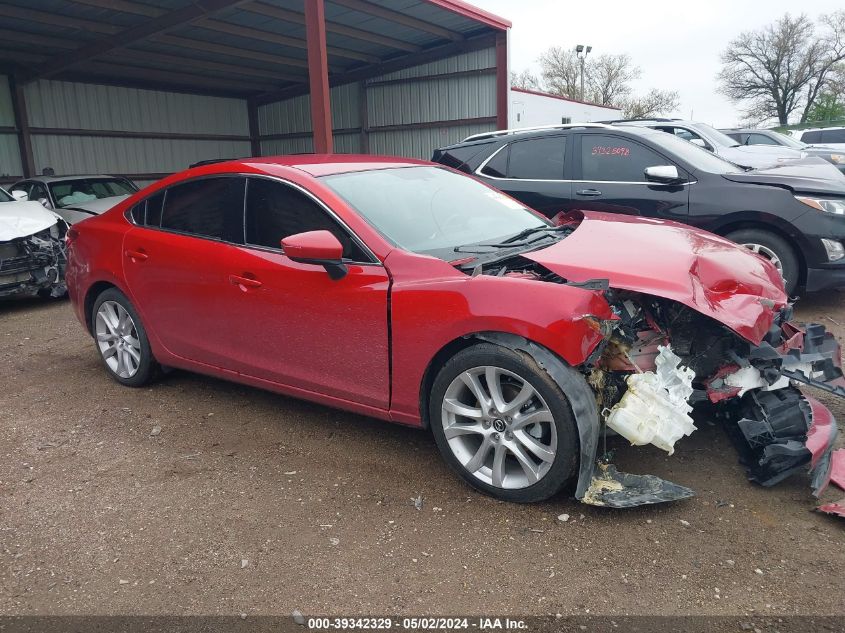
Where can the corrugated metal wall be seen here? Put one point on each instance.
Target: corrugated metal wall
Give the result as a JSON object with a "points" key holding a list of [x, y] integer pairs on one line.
{"points": [[423, 108], [77, 106], [10, 157]]}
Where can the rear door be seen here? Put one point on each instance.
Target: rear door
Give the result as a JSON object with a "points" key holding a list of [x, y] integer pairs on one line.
{"points": [[610, 177], [533, 171], [177, 266]]}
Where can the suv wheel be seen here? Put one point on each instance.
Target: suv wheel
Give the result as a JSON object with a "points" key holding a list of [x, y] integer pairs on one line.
{"points": [[775, 249], [503, 424]]}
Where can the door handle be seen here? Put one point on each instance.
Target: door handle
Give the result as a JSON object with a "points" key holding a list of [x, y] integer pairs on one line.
{"points": [[137, 256], [244, 283], [592, 193]]}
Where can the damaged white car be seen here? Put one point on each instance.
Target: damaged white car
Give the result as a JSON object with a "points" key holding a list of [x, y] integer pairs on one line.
{"points": [[32, 249]]}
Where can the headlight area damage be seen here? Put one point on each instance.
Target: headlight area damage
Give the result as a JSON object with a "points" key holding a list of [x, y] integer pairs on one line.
{"points": [[698, 323], [34, 264]]}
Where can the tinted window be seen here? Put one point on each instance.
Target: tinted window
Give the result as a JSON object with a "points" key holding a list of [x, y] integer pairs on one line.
{"points": [[812, 137], [138, 213], [210, 207], [458, 156], [275, 211], [38, 193], [154, 206], [538, 159], [612, 158], [833, 136], [498, 165]]}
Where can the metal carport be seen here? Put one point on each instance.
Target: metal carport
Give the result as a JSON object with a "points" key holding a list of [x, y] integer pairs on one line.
{"points": [[140, 87]]}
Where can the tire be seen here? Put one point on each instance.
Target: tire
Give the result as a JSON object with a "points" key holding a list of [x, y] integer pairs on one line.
{"points": [[775, 249], [488, 451], [121, 340]]}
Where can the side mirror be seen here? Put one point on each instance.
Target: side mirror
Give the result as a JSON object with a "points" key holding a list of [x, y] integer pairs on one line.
{"points": [[663, 174], [321, 248], [22, 196]]}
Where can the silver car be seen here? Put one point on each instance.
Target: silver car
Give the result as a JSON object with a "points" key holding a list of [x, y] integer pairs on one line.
{"points": [[711, 139], [75, 198]]}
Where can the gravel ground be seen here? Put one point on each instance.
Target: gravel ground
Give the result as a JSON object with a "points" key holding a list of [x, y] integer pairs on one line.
{"points": [[249, 502]]}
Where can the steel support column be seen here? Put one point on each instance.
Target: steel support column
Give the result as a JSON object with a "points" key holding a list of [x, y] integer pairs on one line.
{"points": [[318, 76], [254, 131], [22, 126], [502, 80]]}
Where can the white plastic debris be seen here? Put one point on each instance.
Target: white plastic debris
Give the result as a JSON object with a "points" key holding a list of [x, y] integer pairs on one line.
{"points": [[655, 408]]}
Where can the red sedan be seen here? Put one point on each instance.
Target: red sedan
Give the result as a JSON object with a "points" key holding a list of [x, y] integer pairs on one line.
{"points": [[406, 291]]}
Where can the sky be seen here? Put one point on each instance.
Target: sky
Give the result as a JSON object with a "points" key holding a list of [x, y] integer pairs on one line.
{"points": [[676, 44]]}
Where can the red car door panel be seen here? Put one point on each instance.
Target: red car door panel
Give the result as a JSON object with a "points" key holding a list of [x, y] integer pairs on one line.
{"points": [[293, 324]]}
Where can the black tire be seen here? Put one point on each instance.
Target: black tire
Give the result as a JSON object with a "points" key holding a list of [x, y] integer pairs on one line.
{"points": [[565, 463], [148, 367], [779, 246]]}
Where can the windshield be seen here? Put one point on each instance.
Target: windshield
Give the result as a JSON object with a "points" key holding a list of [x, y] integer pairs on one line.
{"points": [[81, 190], [430, 210], [787, 140], [720, 138], [4, 196], [697, 157]]}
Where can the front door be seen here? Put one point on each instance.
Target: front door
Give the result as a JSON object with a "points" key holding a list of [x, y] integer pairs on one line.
{"points": [[294, 325], [611, 178]]}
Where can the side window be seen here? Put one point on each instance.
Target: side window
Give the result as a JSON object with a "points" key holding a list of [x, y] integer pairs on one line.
{"points": [[39, 192], [208, 207], [275, 211], [154, 206], [612, 158], [498, 165], [760, 139], [537, 159], [833, 136], [457, 157], [138, 213], [812, 137]]}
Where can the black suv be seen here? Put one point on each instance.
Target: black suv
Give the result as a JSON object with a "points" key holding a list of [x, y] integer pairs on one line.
{"points": [[792, 214]]}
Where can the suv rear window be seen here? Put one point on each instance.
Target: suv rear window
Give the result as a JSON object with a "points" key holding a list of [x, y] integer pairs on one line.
{"points": [[208, 207], [535, 159]]}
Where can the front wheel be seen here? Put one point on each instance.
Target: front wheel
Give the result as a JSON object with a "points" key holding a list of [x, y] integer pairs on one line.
{"points": [[775, 249], [503, 424], [121, 339]]}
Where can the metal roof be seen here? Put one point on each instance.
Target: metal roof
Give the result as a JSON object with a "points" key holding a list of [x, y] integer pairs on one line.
{"points": [[243, 48]]}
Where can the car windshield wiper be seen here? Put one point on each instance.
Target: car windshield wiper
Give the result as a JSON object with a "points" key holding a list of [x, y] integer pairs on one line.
{"points": [[518, 239]]}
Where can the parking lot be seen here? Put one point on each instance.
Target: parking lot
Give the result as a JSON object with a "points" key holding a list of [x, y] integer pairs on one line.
{"points": [[249, 502]]}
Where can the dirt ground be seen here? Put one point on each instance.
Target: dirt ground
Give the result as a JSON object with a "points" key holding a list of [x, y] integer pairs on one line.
{"points": [[249, 502]]}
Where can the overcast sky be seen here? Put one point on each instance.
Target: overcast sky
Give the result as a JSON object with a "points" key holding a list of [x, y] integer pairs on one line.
{"points": [[677, 44]]}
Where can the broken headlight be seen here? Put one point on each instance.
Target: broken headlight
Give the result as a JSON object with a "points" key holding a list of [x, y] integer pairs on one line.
{"points": [[828, 205]]}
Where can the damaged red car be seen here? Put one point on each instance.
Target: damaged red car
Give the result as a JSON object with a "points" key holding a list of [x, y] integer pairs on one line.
{"points": [[406, 291]]}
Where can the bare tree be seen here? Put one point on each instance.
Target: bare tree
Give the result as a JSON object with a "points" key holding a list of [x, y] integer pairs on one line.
{"points": [[561, 72], [654, 103], [526, 80], [775, 69], [609, 78]]}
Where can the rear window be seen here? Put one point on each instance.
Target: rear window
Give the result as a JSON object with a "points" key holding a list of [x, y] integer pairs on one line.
{"points": [[812, 137], [537, 159], [833, 136]]}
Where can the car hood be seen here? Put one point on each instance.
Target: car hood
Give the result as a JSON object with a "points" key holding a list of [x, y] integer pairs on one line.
{"points": [[96, 207], [664, 259], [19, 219], [811, 175], [759, 155]]}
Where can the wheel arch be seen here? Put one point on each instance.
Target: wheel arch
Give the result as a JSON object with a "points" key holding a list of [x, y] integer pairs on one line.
{"points": [[581, 397], [94, 291], [770, 224]]}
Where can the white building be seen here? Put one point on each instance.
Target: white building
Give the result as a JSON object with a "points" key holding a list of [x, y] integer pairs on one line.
{"points": [[530, 108]]}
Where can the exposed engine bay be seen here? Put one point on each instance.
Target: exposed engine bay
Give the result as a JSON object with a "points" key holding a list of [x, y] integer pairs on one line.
{"points": [[34, 264], [659, 360]]}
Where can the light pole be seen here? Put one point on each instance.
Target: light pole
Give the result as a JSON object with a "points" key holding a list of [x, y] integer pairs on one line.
{"points": [[582, 52]]}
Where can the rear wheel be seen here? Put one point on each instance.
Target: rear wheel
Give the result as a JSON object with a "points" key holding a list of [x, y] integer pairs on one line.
{"points": [[775, 249], [121, 339], [503, 424]]}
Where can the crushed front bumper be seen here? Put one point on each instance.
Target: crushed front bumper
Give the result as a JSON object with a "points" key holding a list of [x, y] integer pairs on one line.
{"points": [[34, 265]]}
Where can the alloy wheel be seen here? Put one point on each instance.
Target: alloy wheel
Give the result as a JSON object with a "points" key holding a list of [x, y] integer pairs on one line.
{"points": [[117, 339], [499, 427], [768, 253]]}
